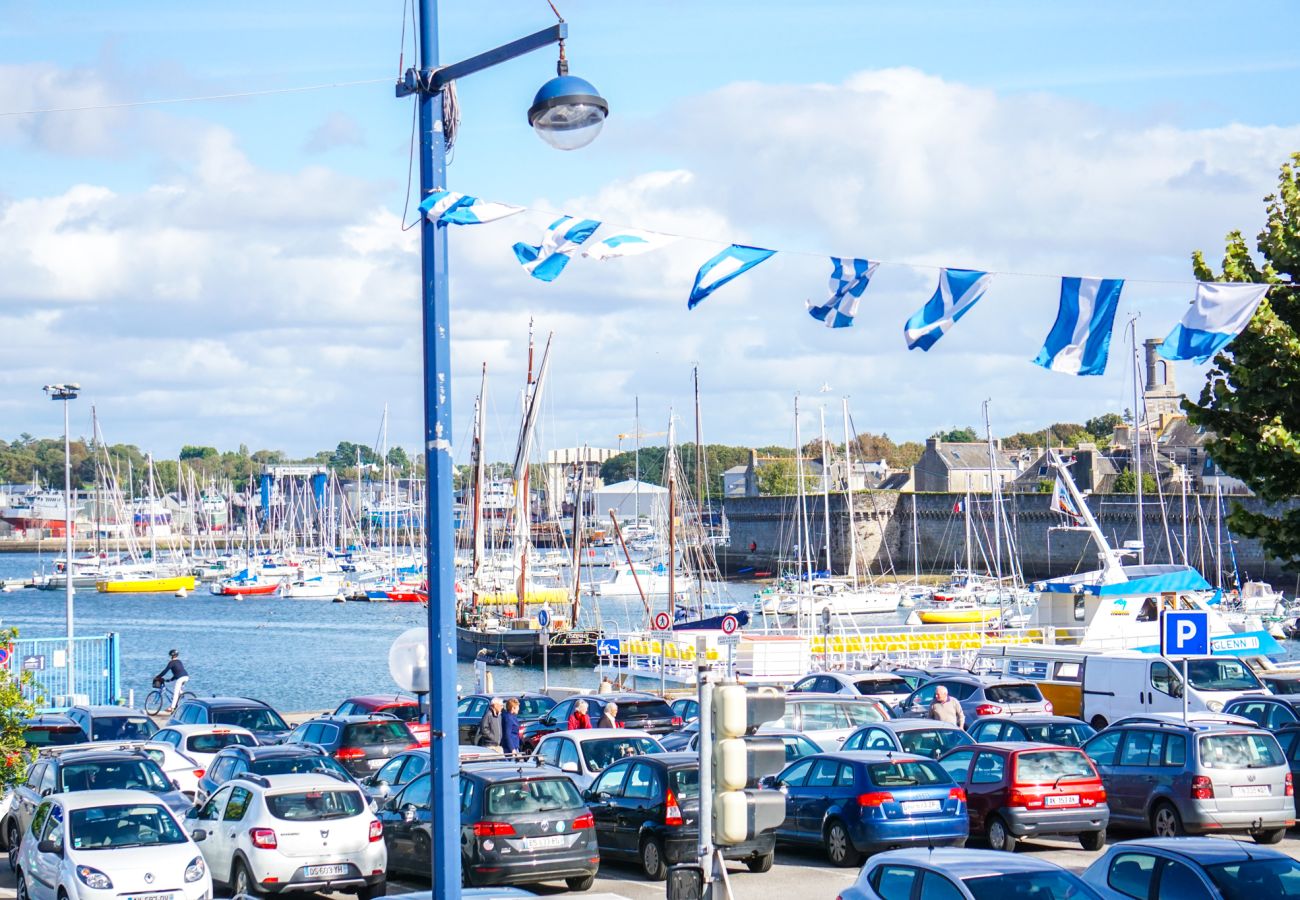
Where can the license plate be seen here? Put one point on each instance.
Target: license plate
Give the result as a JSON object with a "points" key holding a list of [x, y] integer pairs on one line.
{"points": [[921, 806], [1251, 790], [149, 897], [544, 843], [374, 763], [316, 871], [1061, 800]]}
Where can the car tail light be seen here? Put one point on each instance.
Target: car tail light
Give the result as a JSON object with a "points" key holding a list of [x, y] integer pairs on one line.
{"points": [[957, 794], [1025, 799], [677, 721], [1202, 788], [586, 820], [198, 773], [263, 838], [672, 812], [988, 709], [1290, 785], [376, 831], [875, 798], [493, 829], [344, 754], [416, 746]]}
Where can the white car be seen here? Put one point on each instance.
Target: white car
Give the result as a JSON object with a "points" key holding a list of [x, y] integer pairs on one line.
{"points": [[180, 769], [108, 844], [202, 742], [585, 753], [309, 832]]}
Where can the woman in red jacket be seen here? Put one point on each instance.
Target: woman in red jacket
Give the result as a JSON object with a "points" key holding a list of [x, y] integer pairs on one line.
{"points": [[579, 719]]}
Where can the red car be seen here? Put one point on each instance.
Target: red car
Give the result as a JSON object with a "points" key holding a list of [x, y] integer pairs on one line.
{"points": [[399, 705]]}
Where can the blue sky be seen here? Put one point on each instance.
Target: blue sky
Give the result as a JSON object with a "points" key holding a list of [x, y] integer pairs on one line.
{"points": [[233, 268]]}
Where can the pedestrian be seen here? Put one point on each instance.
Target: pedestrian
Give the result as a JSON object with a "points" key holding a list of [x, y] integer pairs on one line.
{"points": [[609, 716], [510, 727], [947, 709], [753, 546], [579, 719], [489, 727]]}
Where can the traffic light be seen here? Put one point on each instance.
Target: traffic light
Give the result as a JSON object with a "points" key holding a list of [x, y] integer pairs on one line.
{"points": [[741, 760]]}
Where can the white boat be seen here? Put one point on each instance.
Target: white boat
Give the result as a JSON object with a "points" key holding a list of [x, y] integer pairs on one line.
{"points": [[651, 582], [326, 586], [1259, 597], [841, 599]]}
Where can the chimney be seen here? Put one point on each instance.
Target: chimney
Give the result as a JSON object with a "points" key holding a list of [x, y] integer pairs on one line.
{"points": [[932, 443], [1153, 361]]}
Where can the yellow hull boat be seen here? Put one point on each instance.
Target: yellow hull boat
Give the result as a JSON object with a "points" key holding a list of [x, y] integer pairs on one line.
{"points": [[532, 596], [966, 616], [146, 585]]}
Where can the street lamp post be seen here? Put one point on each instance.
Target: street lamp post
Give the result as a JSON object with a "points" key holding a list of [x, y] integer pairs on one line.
{"points": [[66, 393], [568, 113]]}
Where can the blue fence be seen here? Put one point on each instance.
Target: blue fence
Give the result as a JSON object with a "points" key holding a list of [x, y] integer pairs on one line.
{"points": [[97, 670]]}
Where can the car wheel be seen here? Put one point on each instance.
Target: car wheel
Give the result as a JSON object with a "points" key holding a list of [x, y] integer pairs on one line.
{"points": [[22, 886], [839, 848], [1092, 841], [241, 880], [581, 884], [1000, 837], [12, 840], [371, 891], [1268, 835], [761, 863], [1165, 821], [652, 860]]}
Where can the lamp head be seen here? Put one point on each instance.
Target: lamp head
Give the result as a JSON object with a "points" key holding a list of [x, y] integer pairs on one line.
{"points": [[568, 112]]}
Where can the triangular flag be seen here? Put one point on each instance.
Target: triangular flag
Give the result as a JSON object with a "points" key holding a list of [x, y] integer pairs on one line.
{"points": [[736, 260]]}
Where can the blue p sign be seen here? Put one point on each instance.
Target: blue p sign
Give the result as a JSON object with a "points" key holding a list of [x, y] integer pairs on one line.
{"points": [[1185, 633]]}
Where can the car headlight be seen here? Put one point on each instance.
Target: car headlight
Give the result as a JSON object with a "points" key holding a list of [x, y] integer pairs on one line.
{"points": [[93, 878], [194, 871], [1214, 705]]}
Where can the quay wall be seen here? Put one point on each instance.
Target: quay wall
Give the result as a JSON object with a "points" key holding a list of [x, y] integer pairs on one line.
{"points": [[888, 530]]}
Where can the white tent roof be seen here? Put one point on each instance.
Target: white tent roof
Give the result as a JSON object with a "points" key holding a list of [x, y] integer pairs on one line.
{"points": [[631, 487]]}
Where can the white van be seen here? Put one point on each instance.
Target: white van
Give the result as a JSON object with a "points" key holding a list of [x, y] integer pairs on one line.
{"points": [[1116, 685]]}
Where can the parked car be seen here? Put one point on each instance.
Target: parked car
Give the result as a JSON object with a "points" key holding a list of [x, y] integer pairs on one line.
{"points": [[399, 706], [52, 730], [255, 715], [1289, 739], [828, 719], [97, 843], [687, 709], [1194, 868], [470, 710], [979, 696], [797, 745], [278, 759], [1178, 779], [1017, 791], [945, 874], [1281, 683], [1061, 730], [362, 744], [858, 803], [203, 742], [1265, 711], [682, 738], [923, 737], [646, 810], [917, 676], [885, 686], [518, 825], [312, 832], [113, 723], [1127, 683], [395, 773], [582, 755], [635, 710]]}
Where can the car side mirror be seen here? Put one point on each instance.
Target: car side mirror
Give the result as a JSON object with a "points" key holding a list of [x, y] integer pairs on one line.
{"points": [[192, 812], [548, 721], [570, 767], [45, 792], [49, 847], [408, 813], [198, 835]]}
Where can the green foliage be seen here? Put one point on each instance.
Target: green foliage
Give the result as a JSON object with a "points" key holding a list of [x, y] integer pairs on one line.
{"points": [[1103, 426], [1126, 483], [15, 757], [1045, 485], [777, 478], [965, 435], [190, 452], [1250, 402], [398, 459], [1060, 434]]}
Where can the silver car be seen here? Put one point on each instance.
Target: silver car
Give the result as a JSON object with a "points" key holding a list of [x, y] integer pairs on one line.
{"points": [[979, 696], [582, 755], [828, 718], [886, 686]]}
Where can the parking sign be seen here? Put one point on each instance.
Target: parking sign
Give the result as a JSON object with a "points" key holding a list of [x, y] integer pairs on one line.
{"points": [[1184, 633]]}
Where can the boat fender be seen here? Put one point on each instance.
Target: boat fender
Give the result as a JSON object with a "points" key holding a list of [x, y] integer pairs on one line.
{"points": [[182, 593]]}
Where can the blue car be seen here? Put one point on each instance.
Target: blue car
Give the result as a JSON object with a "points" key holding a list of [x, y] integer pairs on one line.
{"points": [[856, 803], [969, 875], [1197, 868], [924, 737]]}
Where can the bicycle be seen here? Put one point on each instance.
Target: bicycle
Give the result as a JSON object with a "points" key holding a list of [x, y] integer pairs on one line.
{"points": [[160, 696]]}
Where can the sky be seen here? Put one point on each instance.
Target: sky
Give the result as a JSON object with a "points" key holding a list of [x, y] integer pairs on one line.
{"points": [[235, 271]]}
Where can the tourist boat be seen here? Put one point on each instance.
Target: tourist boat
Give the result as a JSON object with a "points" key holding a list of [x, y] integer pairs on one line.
{"points": [[126, 583]]}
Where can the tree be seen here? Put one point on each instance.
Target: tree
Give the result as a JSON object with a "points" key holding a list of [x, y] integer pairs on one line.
{"points": [[1103, 426], [1249, 403], [1126, 483], [398, 459], [15, 756], [965, 435], [777, 477], [191, 452]]}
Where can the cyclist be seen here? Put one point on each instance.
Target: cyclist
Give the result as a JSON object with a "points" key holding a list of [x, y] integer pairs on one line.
{"points": [[178, 677]]}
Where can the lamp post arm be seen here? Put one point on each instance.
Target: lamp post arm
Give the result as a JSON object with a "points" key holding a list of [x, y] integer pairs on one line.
{"points": [[440, 78]]}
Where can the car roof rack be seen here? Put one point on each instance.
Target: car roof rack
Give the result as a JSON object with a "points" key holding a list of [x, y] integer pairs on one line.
{"points": [[259, 780]]}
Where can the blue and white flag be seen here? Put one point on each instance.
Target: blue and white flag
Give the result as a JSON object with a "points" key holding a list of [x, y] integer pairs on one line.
{"points": [[958, 291], [563, 236], [627, 242], [1219, 313], [462, 209], [1079, 342], [849, 278], [736, 260]]}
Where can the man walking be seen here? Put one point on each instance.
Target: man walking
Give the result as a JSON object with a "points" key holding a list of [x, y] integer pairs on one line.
{"points": [[179, 676], [489, 727], [947, 709]]}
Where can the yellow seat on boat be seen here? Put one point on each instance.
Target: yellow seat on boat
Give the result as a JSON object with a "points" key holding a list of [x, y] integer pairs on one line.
{"points": [[712, 654]]}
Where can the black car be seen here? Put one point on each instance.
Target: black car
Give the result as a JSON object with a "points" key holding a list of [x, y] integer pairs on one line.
{"points": [[113, 723], [258, 717], [52, 730], [362, 744], [395, 773], [279, 759], [470, 710], [518, 825], [1062, 730], [646, 810], [635, 710]]}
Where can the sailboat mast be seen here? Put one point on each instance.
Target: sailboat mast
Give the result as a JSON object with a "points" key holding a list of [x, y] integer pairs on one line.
{"points": [[577, 540], [996, 490], [672, 522], [99, 499], [477, 522], [848, 494], [826, 490], [523, 509], [700, 497], [1137, 446], [802, 507]]}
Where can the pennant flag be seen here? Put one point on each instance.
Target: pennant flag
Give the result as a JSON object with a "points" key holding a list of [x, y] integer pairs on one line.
{"points": [[1079, 341], [562, 238], [736, 260], [849, 278], [1219, 313], [958, 291], [462, 209], [1063, 503], [628, 243]]}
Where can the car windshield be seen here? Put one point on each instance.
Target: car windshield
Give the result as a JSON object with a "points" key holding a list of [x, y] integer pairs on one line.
{"points": [[1239, 751], [534, 707], [1257, 878], [604, 751], [1284, 685], [1221, 674], [117, 775], [1071, 735], [212, 743], [910, 773], [360, 734], [532, 796], [409, 713], [1039, 885], [932, 742], [113, 827], [1038, 766], [294, 765], [313, 806], [257, 718], [686, 783], [1013, 693], [644, 709], [54, 737], [121, 728], [891, 685]]}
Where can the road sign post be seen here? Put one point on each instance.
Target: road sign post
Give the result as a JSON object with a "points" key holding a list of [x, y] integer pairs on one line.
{"points": [[544, 619], [730, 639], [1183, 634]]}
